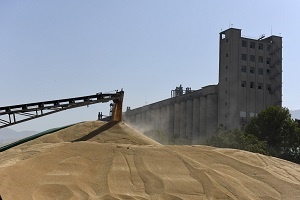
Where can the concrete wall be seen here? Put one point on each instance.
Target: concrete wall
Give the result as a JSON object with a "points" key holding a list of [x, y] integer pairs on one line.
{"points": [[190, 117]]}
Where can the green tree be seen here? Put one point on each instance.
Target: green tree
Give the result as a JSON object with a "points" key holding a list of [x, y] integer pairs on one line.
{"points": [[237, 139], [275, 126]]}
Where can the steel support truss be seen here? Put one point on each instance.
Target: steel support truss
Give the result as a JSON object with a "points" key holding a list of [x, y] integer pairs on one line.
{"points": [[8, 114]]}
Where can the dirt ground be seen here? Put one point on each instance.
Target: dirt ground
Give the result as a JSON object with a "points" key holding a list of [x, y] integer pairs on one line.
{"points": [[98, 160]]}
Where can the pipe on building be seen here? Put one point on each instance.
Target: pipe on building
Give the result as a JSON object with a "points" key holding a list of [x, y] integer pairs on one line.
{"points": [[196, 120], [183, 119], [189, 119]]}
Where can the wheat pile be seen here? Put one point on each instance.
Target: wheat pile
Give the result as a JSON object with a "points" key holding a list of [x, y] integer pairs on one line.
{"points": [[98, 160]]}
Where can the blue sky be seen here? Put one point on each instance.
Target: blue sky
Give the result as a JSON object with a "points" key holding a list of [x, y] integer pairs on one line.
{"points": [[60, 49]]}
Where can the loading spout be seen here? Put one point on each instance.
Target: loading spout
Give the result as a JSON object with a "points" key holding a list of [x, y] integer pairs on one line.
{"points": [[117, 114]]}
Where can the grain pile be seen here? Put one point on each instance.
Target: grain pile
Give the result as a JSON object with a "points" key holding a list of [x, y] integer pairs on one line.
{"points": [[97, 160]]}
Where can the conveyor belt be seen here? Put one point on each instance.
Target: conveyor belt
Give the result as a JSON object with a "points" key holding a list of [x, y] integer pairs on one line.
{"points": [[10, 115], [13, 144]]}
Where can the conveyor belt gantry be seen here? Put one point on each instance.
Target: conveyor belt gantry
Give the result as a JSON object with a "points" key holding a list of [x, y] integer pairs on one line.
{"points": [[29, 111]]}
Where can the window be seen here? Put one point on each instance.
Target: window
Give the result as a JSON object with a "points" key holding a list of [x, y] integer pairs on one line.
{"points": [[244, 68], [252, 58], [268, 71], [260, 71], [269, 87], [268, 60], [226, 67], [243, 114], [251, 114], [226, 79], [243, 84], [268, 47], [244, 43], [252, 45], [244, 57], [226, 40], [260, 86], [260, 59], [251, 84], [252, 70], [225, 103], [260, 46], [223, 36]]}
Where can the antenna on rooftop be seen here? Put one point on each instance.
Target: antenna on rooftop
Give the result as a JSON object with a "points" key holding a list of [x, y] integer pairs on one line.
{"points": [[271, 30]]}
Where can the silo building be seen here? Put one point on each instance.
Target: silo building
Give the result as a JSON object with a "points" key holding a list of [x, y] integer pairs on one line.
{"points": [[250, 77], [250, 80]]}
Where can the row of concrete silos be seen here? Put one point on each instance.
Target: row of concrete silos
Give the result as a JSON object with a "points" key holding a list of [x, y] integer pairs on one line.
{"points": [[192, 116]]}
